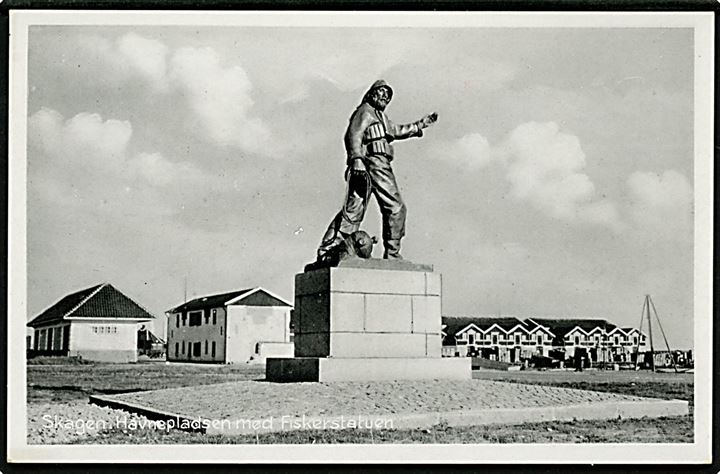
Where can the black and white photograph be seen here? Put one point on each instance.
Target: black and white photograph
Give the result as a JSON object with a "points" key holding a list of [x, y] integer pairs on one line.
{"points": [[480, 237]]}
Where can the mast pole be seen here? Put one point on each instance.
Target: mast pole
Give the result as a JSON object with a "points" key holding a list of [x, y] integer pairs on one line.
{"points": [[637, 346], [662, 331], [652, 347]]}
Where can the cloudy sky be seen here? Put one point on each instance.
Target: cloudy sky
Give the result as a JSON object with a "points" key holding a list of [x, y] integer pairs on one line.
{"points": [[557, 181]]}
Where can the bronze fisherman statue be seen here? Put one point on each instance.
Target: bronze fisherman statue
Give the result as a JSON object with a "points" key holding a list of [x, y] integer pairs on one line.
{"points": [[368, 143]]}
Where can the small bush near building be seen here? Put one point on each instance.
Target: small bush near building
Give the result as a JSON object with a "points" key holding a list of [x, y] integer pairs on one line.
{"points": [[58, 360]]}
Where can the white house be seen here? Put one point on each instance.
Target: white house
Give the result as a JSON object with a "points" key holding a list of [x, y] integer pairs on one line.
{"points": [[243, 326], [98, 323]]}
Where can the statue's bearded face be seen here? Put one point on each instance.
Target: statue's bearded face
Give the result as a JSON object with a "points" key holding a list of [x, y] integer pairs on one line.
{"points": [[380, 98]]}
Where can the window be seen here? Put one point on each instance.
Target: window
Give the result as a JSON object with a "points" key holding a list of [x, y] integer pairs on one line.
{"points": [[494, 339], [206, 347], [221, 330], [207, 317], [184, 318], [177, 320], [195, 318], [635, 340], [212, 353], [197, 349], [183, 347], [471, 338], [539, 339], [172, 333], [577, 340], [517, 339], [177, 348], [214, 316], [617, 340]]}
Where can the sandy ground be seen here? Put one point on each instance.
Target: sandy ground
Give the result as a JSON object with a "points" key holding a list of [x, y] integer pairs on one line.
{"points": [[59, 412], [251, 399]]}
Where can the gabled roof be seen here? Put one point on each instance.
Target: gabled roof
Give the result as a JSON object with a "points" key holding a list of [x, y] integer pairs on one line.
{"points": [[248, 297], [99, 301], [630, 330], [618, 329], [458, 324], [560, 327], [153, 338]]}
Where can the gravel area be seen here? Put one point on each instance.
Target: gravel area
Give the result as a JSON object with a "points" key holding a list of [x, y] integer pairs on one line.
{"points": [[252, 399], [61, 423]]}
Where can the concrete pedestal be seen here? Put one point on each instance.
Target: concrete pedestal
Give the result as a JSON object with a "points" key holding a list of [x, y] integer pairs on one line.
{"points": [[330, 369], [367, 320]]}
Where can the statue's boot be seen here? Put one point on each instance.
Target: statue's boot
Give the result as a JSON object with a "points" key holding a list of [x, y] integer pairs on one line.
{"points": [[327, 246], [392, 249]]}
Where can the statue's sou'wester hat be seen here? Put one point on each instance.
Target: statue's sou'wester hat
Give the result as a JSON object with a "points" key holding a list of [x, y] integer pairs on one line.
{"points": [[376, 85]]}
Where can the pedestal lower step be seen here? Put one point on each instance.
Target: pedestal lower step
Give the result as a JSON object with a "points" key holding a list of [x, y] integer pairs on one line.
{"points": [[321, 369]]}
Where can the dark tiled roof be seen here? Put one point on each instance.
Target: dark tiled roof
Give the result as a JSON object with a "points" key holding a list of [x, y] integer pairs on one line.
{"points": [[100, 301], [62, 307], [209, 301], [560, 327], [258, 298], [455, 324]]}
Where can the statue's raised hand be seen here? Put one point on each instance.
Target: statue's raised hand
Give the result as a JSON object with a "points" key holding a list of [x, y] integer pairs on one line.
{"points": [[429, 119]]}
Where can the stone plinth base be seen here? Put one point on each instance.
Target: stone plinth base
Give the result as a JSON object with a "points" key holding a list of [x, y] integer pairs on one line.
{"points": [[368, 308], [320, 369]]}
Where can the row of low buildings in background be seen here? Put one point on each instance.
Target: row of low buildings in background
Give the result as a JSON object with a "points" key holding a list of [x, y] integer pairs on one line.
{"points": [[514, 340], [250, 325]]}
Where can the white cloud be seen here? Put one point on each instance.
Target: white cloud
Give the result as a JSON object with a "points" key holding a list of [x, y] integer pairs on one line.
{"points": [[159, 171], [472, 151], [86, 139], [88, 142], [217, 96], [543, 167], [662, 204], [146, 56], [97, 60], [671, 190], [220, 96]]}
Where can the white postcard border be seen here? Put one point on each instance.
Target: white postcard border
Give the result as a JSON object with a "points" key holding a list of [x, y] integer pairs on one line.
{"points": [[696, 452]]}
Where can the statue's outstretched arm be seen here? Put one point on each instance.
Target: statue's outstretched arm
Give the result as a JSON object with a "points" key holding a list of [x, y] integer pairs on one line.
{"points": [[414, 129]]}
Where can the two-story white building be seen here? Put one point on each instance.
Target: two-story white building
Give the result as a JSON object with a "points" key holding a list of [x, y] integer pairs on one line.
{"points": [[510, 339], [242, 326], [503, 339], [599, 340]]}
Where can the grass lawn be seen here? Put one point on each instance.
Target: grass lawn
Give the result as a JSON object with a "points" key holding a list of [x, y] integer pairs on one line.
{"points": [[641, 383], [646, 430], [59, 383]]}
